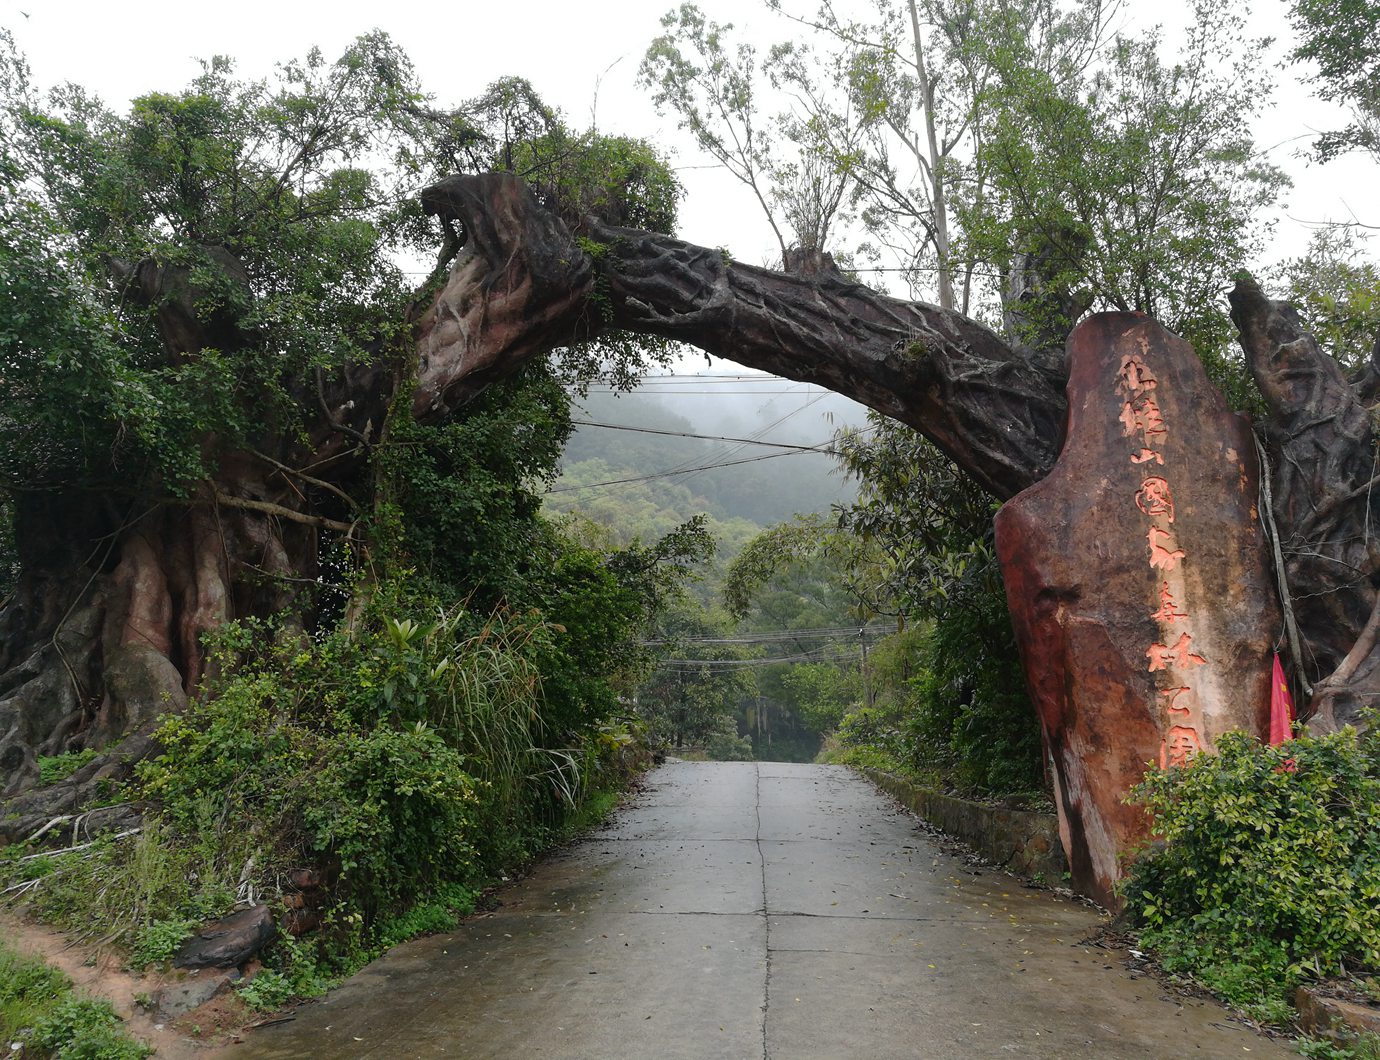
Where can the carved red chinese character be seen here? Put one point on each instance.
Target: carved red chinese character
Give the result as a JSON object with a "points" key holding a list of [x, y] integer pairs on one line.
{"points": [[1171, 696], [1180, 654], [1146, 455], [1142, 414], [1165, 552], [1134, 377], [1181, 743], [1169, 607], [1154, 499]]}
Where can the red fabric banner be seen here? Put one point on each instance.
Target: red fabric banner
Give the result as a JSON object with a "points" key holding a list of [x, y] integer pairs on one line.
{"points": [[1281, 707]]}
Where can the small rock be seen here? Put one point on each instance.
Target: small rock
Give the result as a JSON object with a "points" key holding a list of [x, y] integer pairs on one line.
{"points": [[303, 879], [229, 942], [300, 921], [1334, 1018], [176, 999]]}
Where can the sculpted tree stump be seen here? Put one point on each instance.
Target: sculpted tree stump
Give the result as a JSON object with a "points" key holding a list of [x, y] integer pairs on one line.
{"points": [[1138, 583]]}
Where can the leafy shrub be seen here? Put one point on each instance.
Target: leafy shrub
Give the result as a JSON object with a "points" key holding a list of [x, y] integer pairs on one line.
{"points": [[1269, 873], [28, 987], [158, 941], [267, 991], [726, 746], [78, 1028], [971, 710]]}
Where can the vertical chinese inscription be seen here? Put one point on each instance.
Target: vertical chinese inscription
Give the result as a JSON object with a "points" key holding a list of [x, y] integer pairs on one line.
{"points": [[1171, 657]]}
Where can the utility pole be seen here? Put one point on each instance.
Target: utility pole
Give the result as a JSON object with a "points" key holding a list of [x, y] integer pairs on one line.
{"points": [[862, 668]]}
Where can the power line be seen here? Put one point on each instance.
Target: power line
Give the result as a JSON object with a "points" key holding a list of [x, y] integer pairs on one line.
{"points": [[774, 636], [703, 437], [687, 471], [820, 655]]}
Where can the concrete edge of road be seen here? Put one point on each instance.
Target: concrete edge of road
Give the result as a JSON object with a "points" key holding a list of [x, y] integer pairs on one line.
{"points": [[1019, 841]]}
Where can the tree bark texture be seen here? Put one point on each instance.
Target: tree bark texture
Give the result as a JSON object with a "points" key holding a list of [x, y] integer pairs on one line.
{"points": [[104, 583], [1321, 442]]}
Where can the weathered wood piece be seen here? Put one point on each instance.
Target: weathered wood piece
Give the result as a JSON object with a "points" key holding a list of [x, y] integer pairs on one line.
{"points": [[1138, 583]]}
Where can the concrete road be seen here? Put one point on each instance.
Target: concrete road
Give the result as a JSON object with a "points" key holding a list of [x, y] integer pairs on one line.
{"points": [[750, 910]]}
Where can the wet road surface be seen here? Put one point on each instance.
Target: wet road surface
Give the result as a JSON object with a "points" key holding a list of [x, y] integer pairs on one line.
{"points": [[751, 910]]}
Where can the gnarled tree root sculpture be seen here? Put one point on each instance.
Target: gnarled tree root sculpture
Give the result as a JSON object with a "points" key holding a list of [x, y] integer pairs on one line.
{"points": [[133, 584]]}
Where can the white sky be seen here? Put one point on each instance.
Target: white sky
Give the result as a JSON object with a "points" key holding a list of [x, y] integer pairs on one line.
{"points": [[574, 53]]}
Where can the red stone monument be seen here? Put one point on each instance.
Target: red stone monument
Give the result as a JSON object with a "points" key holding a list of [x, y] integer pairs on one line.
{"points": [[1138, 583]]}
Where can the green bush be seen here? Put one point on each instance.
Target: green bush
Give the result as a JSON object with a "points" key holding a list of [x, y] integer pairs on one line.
{"points": [[267, 991], [28, 988], [405, 759], [726, 745], [159, 940], [78, 1028], [39, 1010], [1269, 871]]}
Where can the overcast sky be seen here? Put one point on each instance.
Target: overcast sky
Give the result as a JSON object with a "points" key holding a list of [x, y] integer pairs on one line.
{"points": [[582, 57]]}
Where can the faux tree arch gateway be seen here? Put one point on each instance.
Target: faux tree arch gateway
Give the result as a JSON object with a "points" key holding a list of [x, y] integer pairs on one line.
{"points": [[114, 636]]}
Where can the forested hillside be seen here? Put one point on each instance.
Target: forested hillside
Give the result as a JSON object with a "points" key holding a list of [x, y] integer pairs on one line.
{"points": [[712, 442]]}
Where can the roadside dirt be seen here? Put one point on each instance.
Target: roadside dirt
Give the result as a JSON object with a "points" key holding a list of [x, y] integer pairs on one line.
{"points": [[99, 971]]}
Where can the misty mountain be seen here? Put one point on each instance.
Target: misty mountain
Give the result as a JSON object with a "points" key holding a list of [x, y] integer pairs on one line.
{"points": [[738, 479]]}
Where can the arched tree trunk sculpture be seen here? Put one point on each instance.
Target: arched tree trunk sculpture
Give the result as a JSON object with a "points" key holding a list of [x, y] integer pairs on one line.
{"points": [[103, 632]]}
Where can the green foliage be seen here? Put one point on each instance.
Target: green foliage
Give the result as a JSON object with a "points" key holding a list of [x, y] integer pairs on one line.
{"points": [[275, 213], [39, 1011], [688, 701], [1335, 287], [467, 492], [949, 704], [60, 767], [822, 693], [926, 522], [267, 992], [1269, 873], [972, 712], [725, 745], [28, 988], [361, 750], [82, 1029], [1342, 39], [259, 194], [1361, 1047], [440, 913], [1137, 186], [159, 940]]}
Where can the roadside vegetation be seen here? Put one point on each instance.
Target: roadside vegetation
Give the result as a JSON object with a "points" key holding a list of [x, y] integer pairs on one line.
{"points": [[1266, 873], [42, 1018]]}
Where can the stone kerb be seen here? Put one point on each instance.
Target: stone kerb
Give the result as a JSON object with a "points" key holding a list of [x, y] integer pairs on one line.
{"points": [[1020, 841]]}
